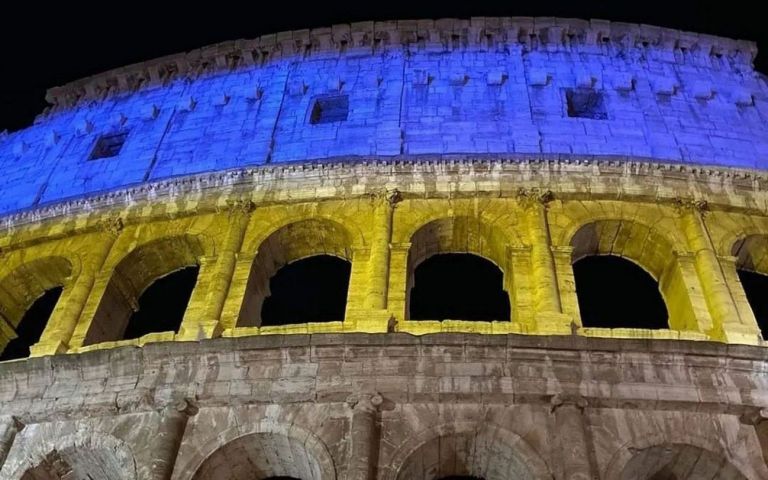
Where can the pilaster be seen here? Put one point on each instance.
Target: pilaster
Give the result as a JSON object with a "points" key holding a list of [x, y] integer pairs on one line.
{"points": [[727, 323], [9, 427], [165, 444], [61, 326], [364, 436], [216, 277], [547, 305], [571, 436]]}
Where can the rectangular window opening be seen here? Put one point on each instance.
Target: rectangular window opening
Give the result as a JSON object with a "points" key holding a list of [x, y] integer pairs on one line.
{"points": [[585, 103], [329, 109], [108, 146]]}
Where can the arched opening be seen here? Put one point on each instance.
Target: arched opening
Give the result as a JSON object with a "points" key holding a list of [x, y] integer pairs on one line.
{"points": [[312, 289], [457, 270], [752, 268], [28, 297], [614, 292], [486, 453], [678, 462], [163, 304], [148, 291], [624, 273], [756, 289], [458, 286], [82, 463], [305, 261], [31, 326], [267, 455]]}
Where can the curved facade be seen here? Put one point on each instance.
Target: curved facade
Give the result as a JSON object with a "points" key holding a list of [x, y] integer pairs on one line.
{"points": [[529, 143]]}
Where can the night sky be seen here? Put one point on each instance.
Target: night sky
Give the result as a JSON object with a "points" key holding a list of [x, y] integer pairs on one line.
{"points": [[52, 45]]}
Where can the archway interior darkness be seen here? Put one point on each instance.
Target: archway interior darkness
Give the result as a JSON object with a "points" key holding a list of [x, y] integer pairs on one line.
{"points": [[614, 292], [163, 304], [32, 324], [312, 289], [756, 288], [458, 286]]}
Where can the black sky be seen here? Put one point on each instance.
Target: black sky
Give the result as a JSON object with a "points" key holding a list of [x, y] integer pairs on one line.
{"points": [[45, 46]]}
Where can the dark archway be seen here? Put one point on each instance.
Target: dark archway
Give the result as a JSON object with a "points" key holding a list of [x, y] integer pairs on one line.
{"points": [[163, 304], [756, 288], [163, 260], [459, 286], [32, 324], [614, 292], [312, 289]]}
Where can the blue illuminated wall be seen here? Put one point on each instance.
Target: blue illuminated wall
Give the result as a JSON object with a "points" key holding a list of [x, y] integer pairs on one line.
{"points": [[664, 102]]}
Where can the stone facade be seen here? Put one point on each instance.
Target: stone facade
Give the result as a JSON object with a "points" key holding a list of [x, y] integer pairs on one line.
{"points": [[460, 137]]}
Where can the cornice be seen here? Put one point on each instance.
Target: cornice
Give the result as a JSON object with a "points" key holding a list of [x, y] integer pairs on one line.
{"points": [[368, 38]]}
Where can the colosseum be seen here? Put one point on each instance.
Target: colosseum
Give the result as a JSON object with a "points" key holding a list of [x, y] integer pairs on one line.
{"points": [[537, 149]]}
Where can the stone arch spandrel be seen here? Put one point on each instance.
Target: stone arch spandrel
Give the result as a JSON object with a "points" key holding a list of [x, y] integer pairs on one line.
{"points": [[82, 453], [568, 217], [24, 282], [726, 229], [723, 438], [304, 455], [470, 448], [266, 221], [501, 215]]}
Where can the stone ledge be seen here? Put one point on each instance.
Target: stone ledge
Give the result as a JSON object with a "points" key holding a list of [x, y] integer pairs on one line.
{"points": [[235, 182]]}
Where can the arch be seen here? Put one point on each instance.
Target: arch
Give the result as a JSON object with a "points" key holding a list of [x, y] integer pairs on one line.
{"points": [[674, 447], [751, 263], [262, 231], [26, 284], [679, 462], [625, 238], [271, 450], [751, 252], [459, 234], [647, 248], [466, 449], [83, 455], [287, 244], [133, 274]]}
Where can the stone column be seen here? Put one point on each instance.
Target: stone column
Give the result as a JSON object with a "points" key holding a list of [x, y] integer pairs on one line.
{"points": [[549, 311], [224, 269], [9, 427], [167, 440], [58, 333], [374, 317], [570, 431], [398, 280], [364, 437], [722, 308], [378, 261]]}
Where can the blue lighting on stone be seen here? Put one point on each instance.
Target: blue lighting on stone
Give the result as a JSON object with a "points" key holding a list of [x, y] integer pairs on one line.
{"points": [[692, 100]]}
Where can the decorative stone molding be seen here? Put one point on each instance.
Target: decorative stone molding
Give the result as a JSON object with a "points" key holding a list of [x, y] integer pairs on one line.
{"points": [[531, 34]]}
